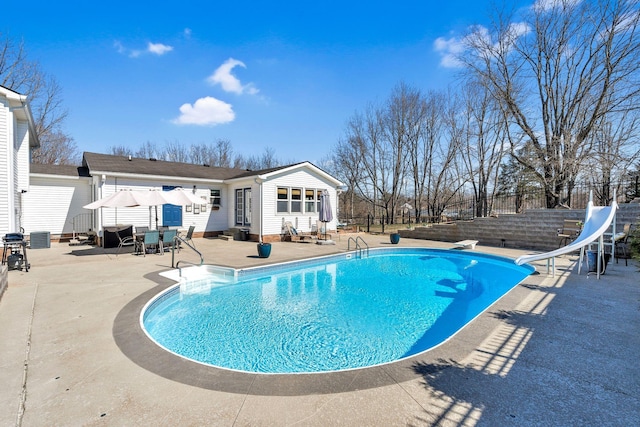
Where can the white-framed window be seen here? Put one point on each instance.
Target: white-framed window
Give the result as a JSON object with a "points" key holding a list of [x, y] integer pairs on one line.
{"points": [[310, 200], [298, 200], [318, 194], [215, 197], [282, 203]]}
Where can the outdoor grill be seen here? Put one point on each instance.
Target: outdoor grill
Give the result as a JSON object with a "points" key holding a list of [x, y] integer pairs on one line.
{"points": [[14, 251]]}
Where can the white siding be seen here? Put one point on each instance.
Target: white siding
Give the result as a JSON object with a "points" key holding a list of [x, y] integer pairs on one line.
{"points": [[22, 156], [207, 220], [52, 202], [302, 178], [21, 169], [5, 168]]}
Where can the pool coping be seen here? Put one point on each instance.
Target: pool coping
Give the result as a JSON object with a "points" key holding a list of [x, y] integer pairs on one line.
{"points": [[140, 349]]}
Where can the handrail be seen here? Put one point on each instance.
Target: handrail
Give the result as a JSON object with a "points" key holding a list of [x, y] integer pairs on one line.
{"points": [[81, 224], [180, 268], [173, 251], [358, 247]]}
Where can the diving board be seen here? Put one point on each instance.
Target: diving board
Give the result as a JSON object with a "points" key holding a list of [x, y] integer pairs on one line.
{"points": [[466, 244]]}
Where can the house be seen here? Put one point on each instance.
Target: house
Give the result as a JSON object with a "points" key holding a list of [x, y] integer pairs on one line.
{"points": [[50, 198], [256, 202], [17, 138]]}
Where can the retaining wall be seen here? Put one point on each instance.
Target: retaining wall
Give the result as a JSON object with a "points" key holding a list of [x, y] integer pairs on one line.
{"points": [[533, 229]]}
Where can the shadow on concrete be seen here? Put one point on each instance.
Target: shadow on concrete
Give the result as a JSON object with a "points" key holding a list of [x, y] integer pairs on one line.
{"points": [[560, 359]]}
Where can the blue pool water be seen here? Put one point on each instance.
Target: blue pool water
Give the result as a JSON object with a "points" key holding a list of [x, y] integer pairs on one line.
{"points": [[332, 314]]}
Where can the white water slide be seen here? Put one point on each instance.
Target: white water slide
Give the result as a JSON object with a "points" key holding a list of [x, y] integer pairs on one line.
{"points": [[597, 220]]}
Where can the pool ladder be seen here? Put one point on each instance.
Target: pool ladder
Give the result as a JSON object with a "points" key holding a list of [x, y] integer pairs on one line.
{"points": [[358, 248], [179, 240]]}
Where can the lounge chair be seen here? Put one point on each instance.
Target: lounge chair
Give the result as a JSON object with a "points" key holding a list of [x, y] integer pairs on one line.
{"points": [[321, 230], [293, 235]]}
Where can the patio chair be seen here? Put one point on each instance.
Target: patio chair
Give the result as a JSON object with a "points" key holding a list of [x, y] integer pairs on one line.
{"points": [[151, 240], [124, 241], [168, 239], [293, 235], [622, 245], [570, 230], [189, 237]]}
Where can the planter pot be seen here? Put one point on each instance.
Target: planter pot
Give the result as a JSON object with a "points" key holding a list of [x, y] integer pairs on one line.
{"points": [[264, 250], [395, 238]]}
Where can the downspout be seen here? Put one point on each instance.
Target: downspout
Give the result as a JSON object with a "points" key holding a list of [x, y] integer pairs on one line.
{"points": [[103, 180], [259, 180]]}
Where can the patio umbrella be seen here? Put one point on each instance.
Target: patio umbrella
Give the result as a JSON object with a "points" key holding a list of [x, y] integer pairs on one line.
{"points": [[181, 197], [325, 214], [123, 198], [177, 196], [132, 198]]}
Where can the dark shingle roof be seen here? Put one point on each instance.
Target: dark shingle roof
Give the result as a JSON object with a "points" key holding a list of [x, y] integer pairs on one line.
{"points": [[246, 173], [106, 163], [62, 170], [122, 164]]}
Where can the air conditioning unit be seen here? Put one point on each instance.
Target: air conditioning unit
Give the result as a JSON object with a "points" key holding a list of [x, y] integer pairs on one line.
{"points": [[40, 240]]}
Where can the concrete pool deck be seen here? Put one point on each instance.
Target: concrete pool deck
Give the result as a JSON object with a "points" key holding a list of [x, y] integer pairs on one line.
{"points": [[557, 350]]}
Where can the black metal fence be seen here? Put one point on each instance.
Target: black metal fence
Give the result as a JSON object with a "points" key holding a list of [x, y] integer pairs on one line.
{"points": [[577, 198], [466, 208]]}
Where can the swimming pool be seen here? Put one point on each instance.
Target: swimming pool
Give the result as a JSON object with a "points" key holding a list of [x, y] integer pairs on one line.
{"points": [[329, 314]]}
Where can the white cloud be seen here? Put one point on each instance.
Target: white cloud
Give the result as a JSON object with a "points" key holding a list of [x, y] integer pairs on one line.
{"points": [[152, 48], [449, 50], [187, 33], [158, 48], [546, 5], [207, 111], [230, 83], [452, 48]]}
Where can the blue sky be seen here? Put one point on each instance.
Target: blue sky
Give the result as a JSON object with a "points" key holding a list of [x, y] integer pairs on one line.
{"points": [[286, 75]]}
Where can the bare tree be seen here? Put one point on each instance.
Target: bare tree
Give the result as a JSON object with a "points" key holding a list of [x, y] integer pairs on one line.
{"points": [[218, 154], [481, 132], [120, 150], [616, 149], [402, 120], [346, 164], [364, 150], [174, 151], [223, 153], [557, 75], [60, 149], [44, 94], [518, 180], [400, 147], [266, 160], [148, 150], [444, 177]]}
